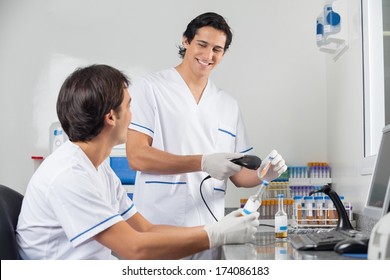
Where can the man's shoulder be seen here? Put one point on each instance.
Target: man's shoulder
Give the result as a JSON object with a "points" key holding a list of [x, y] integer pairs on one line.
{"points": [[220, 92], [66, 158], [157, 76]]}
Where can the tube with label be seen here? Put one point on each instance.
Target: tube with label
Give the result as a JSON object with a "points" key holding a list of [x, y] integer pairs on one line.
{"points": [[308, 209], [298, 209], [254, 201], [320, 213], [270, 158]]}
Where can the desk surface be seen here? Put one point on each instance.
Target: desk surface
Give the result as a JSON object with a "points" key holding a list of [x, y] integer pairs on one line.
{"points": [[267, 248]]}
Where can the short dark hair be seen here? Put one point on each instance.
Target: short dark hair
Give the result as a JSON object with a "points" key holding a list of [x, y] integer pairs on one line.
{"points": [[207, 19], [86, 96]]}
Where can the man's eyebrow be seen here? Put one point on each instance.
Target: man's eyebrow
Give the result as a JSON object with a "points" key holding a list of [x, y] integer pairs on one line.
{"points": [[219, 47]]}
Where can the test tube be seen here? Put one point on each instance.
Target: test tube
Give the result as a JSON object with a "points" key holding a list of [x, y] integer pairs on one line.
{"points": [[274, 204], [309, 209], [291, 207], [348, 208], [242, 202], [270, 157], [299, 190], [319, 204], [330, 211], [254, 201], [266, 209], [298, 209], [262, 210]]}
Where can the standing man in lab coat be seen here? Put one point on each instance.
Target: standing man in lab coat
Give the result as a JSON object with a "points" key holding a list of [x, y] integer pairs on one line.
{"points": [[186, 128]]}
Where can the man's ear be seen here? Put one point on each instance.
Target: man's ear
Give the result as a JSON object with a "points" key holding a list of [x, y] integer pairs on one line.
{"points": [[185, 41], [110, 118]]}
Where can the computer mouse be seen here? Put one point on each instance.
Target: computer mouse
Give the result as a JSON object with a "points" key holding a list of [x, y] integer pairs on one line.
{"points": [[351, 246], [248, 161]]}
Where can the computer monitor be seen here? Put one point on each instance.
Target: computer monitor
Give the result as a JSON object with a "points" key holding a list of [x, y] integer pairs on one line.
{"points": [[378, 200]]}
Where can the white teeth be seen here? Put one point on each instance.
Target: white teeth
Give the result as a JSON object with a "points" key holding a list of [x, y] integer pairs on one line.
{"points": [[203, 63]]}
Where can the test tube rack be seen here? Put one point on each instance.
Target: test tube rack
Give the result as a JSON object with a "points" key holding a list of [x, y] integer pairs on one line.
{"points": [[317, 217], [269, 206], [301, 180]]}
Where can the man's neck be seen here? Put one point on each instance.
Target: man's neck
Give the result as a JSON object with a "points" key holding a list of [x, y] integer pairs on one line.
{"points": [[195, 83], [97, 151]]}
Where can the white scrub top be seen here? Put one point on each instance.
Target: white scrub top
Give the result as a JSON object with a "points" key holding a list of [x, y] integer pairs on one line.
{"points": [[164, 108], [68, 201]]}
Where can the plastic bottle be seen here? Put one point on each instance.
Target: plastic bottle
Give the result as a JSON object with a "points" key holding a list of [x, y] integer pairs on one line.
{"points": [[254, 201], [281, 221]]}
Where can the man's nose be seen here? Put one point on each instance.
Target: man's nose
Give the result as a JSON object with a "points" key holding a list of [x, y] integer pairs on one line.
{"points": [[209, 53]]}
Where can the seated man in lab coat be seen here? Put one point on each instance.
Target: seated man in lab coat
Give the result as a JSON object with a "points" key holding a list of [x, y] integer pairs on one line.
{"points": [[75, 206], [186, 128]]}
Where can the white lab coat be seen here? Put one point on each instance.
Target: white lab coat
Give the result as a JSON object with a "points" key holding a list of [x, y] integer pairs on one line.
{"points": [[164, 108], [68, 202]]}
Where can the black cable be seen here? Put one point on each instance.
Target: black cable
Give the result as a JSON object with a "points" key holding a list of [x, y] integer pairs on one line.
{"points": [[265, 225], [201, 194]]}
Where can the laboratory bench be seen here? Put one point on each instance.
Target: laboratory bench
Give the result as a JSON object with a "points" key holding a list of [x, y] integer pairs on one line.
{"points": [[266, 247]]}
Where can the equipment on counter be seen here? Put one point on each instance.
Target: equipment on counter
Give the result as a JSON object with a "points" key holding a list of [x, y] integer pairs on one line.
{"points": [[247, 161], [352, 246], [328, 240], [379, 245]]}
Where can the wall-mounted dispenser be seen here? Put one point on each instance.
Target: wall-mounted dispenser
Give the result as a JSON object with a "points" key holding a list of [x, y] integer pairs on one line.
{"points": [[332, 28], [332, 21], [57, 136]]}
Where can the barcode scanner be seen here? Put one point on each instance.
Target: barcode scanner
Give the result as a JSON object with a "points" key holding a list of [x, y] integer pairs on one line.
{"points": [[248, 161]]}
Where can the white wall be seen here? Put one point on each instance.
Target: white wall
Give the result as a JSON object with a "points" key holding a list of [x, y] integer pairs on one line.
{"points": [[273, 68], [345, 115]]}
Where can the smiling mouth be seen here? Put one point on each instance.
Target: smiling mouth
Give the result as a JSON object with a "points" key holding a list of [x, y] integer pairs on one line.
{"points": [[205, 63]]}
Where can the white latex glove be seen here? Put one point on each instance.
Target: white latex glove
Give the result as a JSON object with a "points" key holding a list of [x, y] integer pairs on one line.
{"points": [[219, 165], [271, 167], [233, 229]]}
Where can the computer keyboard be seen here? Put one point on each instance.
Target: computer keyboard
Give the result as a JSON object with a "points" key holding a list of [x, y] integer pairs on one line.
{"points": [[322, 241]]}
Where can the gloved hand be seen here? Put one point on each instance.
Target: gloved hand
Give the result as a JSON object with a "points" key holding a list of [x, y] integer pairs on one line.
{"points": [[233, 229], [271, 167], [219, 165]]}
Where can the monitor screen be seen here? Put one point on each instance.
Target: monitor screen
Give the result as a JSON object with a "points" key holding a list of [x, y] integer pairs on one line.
{"points": [[377, 203]]}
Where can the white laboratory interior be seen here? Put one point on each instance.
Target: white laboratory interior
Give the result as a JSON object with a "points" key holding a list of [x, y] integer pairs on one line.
{"points": [[311, 100]]}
